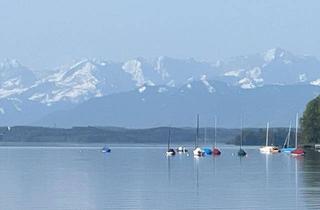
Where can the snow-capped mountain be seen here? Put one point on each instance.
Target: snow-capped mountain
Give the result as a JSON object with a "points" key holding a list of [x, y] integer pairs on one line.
{"points": [[68, 85], [162, 106], [14, 78], [275, 66]]}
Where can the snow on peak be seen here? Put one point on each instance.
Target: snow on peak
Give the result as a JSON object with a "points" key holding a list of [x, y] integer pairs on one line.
{"points": [[159, 67], [234, 73], [315, 82], [252, 79], [75, 83], [134, 67], [142, 89], [270, 55], [303, 77], [162, 89], [275, 53], [10, 63], [171, 83], [207, 84]]}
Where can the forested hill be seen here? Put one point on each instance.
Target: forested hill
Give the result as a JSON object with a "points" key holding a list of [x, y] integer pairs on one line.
{"points": [[25, 134]]}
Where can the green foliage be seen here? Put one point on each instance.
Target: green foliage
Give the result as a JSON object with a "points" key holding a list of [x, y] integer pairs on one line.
{"points": [[310, 122], [257, 136]]}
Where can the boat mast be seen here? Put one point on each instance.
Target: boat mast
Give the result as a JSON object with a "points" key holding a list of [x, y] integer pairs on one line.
{"points": [[286, 143], [297, 119], [205, 135], [267, 135], [241, 134], [197, 136], [289, 134], [169, 139], [215, 131]]}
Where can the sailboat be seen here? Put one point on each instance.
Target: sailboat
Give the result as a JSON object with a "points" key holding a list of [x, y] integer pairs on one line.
{"points": [[182, 149], [206, 150], [197, 152], [106, 149], [170, 151], [241, 151], [215, 150], [268, 149], [297, 151], [286, 145]]}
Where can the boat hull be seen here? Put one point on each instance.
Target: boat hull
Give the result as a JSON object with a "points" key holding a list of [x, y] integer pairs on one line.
{"points": [[216, 151], [269, 149], [287, 150], [207, 151], [182, 150], [170, 152], [198, 152], [241, 153], [298, 152]]}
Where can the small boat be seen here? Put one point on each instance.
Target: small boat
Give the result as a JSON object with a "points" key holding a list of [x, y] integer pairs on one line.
{"points": [[241, 151], [105, 149], [215, 150], [297, 151], [170, 151], [207, 151], [268, 149], [197, 152], [286, 145], [182, 149]]}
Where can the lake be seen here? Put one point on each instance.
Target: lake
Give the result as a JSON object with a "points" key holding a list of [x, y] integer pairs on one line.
{"points": [[84, 178]]}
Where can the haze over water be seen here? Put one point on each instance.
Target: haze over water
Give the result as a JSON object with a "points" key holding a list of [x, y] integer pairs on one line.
{"points": [[144, 178]]}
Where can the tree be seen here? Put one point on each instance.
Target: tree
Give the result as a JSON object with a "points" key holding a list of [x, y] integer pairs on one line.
{"points": [[310, 122]]}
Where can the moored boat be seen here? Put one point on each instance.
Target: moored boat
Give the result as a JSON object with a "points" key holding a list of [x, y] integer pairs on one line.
{"points": [[268, 149], [241, 151], [215, 150], [286, 145], [197, 152], [206, 150], [182, 149], [105, 149], [170, 151], [297, 151]]}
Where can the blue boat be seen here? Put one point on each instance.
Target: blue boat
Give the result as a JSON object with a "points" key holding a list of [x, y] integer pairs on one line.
{"points": [[106, 149], [207, 151], [286, 145]]}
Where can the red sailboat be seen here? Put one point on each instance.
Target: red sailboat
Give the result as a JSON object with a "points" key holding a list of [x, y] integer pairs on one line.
{"points": [[297, 151]]}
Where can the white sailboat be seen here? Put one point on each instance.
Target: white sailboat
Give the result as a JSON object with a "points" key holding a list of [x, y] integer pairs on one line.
{"points": [[170, 151], [268, 149], [197, 152]]}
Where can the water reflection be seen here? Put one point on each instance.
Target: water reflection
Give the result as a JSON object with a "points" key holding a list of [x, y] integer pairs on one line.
{"points": [[310, 167], [143, 178]]}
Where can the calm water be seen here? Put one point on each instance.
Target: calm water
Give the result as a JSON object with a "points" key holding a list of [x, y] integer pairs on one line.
{"points": [[143, 178]]}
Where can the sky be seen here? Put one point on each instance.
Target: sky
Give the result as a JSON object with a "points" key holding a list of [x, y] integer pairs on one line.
{"points": [[44, 34]]}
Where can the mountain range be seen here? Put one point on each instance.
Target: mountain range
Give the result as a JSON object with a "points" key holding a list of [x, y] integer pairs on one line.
{"points": [[141, 92]]}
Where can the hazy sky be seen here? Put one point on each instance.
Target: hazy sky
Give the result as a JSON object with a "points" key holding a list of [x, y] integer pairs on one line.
{"points": [[43, 34]]}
